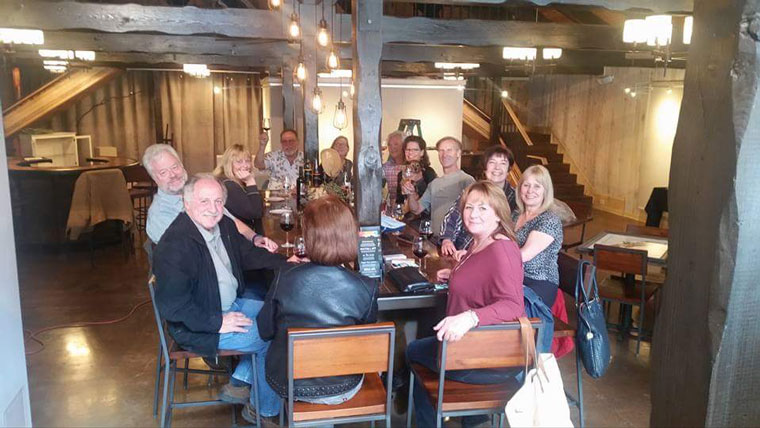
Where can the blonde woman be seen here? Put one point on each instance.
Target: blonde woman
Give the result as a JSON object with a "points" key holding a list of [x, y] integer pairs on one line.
{"points": [[243, 197], [538, 230]]}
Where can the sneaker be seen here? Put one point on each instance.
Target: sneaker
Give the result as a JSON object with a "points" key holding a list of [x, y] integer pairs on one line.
{"points": [[249, 413], [235, 394]]}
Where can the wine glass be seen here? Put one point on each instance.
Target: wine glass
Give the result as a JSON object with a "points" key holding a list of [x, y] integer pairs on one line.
{"points": [[287, 186], [300, 248], [419, 250], [266, 124], [398, 212], [287, 223], [426, 229]]}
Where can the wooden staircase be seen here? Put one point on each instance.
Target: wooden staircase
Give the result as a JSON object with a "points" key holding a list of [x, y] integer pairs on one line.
{"points": [[54, 95], [529, 147]]}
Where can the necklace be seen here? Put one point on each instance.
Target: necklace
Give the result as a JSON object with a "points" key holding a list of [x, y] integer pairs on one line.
{"points": [[474, 250]]}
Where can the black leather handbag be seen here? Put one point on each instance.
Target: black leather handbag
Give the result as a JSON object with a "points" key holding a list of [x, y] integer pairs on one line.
{"points": [[409, 280], [592, 340]]}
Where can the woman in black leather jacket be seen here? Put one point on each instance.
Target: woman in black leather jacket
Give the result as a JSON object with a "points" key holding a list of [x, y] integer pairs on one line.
{"points": [[318, 294]]}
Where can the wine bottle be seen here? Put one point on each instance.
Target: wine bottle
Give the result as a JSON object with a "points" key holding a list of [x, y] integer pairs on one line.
{"points": [[299, 187]]}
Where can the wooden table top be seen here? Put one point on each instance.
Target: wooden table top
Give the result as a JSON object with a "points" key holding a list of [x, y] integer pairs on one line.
{"points": [[390, 296], [47, 168], [656, 247]]}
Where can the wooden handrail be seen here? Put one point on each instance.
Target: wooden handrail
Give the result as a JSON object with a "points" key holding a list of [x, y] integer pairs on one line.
{"points": [[517, 122]]}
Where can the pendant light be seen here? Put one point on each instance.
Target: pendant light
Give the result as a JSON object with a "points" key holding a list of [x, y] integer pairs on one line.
{"points": [[316, 101]]}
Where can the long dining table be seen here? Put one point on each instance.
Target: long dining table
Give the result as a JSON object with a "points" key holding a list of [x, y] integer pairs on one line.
{"points": [[390, 297]]}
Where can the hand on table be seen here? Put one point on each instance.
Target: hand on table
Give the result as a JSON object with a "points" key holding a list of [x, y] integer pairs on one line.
{"points": [[453, 328], [262, 241], [235, 322], [443, 275], [448, 248]]}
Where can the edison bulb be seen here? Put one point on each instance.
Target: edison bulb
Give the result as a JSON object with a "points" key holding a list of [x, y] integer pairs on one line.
{"points": [[323, 37], [294, 29], [332, 60], [301, 72], [274, 4]]}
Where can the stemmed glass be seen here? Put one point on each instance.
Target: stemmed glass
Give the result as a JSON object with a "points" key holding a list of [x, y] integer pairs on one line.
{"points": [[419, 250], [300, 249], [286, 186], [287, 224], [426, 229]]}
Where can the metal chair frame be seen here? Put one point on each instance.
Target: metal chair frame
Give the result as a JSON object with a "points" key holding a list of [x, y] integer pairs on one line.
{"points": [[163, 358], [344, 332], [440, 414]]}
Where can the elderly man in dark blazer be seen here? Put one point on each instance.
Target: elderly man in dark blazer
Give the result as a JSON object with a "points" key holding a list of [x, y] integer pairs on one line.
{"points": [[199, 264]]}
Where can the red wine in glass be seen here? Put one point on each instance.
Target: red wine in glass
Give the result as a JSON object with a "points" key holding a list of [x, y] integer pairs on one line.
{"points": [[421, 253], [287, 224], [287, 227], [419, 250]]}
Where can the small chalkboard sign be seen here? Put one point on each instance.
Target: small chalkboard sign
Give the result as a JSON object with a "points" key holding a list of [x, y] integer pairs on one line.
{"points": [[370, 252]]}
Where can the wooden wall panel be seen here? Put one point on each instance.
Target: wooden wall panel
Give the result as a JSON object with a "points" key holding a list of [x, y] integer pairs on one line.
{"points": [[601, 129]]}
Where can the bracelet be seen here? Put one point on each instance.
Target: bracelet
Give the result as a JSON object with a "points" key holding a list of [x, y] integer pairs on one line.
{"points": [[474, 318]]}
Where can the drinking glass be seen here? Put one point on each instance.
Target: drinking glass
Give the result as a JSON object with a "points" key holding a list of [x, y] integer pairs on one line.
{"points": [[426, 229], [287, 223], [398, 212], [419, 250], [286, 187], [300, 248]]}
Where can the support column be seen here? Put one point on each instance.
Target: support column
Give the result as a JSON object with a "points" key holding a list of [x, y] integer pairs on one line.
{"points": [[366, 18], [288, 98], [310, 117], [705, 359]]}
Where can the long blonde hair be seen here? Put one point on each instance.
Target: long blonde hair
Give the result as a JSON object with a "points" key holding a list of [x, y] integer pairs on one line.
{"points": [[544, 178], [494, 197], [233, 153]]}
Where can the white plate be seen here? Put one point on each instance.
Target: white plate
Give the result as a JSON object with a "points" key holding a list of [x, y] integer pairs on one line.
{"points": [[275, 199], [279, 211]]}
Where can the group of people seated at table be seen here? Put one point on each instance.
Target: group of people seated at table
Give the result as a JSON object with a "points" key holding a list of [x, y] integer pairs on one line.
{"points": [[208, 233]]}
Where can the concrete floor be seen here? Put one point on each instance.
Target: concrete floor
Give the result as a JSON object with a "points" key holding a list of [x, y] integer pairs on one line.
{"points": [[103, 375]]}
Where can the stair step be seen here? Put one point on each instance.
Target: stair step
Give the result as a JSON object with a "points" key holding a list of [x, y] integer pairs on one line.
{"points": [[544, 149], [558, 168], [540, 137], [564, 178], [564, 191]]}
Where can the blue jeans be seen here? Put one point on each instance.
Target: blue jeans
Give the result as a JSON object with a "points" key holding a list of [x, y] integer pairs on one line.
{"points": [[425, 352], [252, 343]]}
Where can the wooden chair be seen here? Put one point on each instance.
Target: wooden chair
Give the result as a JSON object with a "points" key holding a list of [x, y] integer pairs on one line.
{"points": [[359, 349], [487, 347], [168, 355], [141, 190], [635, 229], [625, 290], [583, 215]]}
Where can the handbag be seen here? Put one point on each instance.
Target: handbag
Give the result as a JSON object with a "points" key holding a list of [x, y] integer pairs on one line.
{"points": [[540, 401], [409, 280], [592, 340]]}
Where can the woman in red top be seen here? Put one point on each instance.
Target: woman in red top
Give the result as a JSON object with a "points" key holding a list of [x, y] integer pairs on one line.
{"points": [[485, 287]]}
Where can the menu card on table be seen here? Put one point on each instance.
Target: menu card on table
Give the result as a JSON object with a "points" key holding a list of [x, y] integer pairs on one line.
{"points": [[370, 252]]}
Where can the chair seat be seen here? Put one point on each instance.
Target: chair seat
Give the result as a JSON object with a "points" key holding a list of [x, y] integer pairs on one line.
{"points": [[368, 401], [614, 288], [563, 329], [177, 353], [465, 396]]}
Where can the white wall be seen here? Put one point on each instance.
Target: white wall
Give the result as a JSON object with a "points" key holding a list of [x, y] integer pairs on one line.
{"points": [[437, 103], [14, 389]]}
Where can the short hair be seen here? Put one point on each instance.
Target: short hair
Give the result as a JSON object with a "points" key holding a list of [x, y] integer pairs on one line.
{"points": [[494, 197], [425, 161], [288, 130], [395, 134], [544, 179], [187, 191], [330, 231], [455, 140], [500, 151], [152, 153], [233, 153]]}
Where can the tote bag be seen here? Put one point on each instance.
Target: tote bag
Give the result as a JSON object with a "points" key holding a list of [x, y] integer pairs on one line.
{"points": [[593, 342]]}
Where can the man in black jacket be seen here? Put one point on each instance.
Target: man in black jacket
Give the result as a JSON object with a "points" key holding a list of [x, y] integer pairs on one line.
{"points": [[199, 265]]}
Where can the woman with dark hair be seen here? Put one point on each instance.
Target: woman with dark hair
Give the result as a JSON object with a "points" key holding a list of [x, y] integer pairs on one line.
{"points": [[417, 167], [485, 287], [317, 294], [340, 144]]}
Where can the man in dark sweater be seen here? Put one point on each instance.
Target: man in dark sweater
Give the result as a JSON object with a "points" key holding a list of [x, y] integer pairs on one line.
{"points": [[199, 264]]}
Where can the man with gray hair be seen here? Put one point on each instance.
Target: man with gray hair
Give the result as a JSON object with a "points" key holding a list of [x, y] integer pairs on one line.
{"points": [[163, 164], [395, 162], [199, 264]]}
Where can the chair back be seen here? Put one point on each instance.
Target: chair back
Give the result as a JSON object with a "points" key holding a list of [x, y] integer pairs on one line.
{"points": [[635, 229], [487, 347], [160, 323], [338, 351], [624, 260], [568, 272]]}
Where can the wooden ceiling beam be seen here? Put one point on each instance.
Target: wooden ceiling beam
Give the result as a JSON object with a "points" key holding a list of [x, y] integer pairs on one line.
{"points": [[622, 5]]}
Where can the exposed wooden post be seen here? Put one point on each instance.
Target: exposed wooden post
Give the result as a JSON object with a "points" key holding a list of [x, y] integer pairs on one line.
{"points": [[366, 20], [310, 47], [705, 355], [288, 99]]}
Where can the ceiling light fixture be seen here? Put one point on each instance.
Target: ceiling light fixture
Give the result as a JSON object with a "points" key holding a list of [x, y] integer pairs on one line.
{"points": [[635, 31], [332, 60], [659, 30], [454, 65], [513, 53], [551, 53], [300, 70], [196, 70], [14, 36], [275, 4], [294, 29], [316, 101]]}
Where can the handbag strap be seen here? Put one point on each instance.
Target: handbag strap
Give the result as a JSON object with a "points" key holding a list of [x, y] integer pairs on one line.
{"points": [[586, 275]]}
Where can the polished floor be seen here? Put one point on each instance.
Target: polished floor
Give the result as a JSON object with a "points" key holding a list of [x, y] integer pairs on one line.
{"points": [[102, 375]]}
